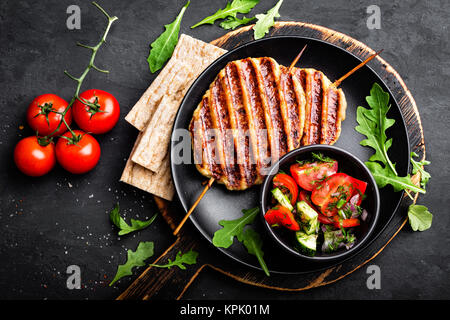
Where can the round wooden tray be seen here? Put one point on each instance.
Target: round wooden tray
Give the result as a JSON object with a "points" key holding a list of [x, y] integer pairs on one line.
{"points": [[156, 283]]}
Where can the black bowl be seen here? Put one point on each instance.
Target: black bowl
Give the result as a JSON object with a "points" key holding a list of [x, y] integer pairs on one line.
{"points": [[348, 164]]}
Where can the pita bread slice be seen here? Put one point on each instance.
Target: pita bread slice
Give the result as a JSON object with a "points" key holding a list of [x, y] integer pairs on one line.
{"points": [[159, 184], [189, 51]]}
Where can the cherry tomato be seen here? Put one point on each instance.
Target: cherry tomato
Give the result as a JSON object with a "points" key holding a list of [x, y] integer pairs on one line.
{"points": [[99, 117], [41, 115], [333, 193], [308, 174], [34, 159], [80, 157], [282, 180], [281, 215]]}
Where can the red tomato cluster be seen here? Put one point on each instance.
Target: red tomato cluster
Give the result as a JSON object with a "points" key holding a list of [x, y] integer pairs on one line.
{"points": [[77, 151]]}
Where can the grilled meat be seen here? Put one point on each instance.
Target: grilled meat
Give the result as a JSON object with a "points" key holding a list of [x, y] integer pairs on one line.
{"points": [[254, 112]]}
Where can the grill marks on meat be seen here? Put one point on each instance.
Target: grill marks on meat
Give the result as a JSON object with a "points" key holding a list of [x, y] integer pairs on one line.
{"points": [[254, 112]]}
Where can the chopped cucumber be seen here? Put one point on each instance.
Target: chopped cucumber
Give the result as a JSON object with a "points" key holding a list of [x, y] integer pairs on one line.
{"points": [[307, 243], [311, 226], [282, 199], [306, 212]]}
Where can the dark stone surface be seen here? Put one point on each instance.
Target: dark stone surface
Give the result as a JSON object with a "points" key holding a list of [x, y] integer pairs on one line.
{"points": [[58, 220]]}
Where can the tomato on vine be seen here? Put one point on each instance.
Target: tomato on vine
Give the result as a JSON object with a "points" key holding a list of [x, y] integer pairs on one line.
{"points": [[78, 152], [45, 113], [99, 115], [35, 156]]}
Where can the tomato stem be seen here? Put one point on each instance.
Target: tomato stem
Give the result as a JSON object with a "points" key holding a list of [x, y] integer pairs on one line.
{"points": [[90, 66]]}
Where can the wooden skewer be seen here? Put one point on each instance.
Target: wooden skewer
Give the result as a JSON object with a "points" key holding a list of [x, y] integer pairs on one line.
{"points": [[297, 58], [211, 180], [345, 76]]}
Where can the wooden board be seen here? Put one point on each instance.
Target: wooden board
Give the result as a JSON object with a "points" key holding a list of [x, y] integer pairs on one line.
{"points": [[156, 283]]}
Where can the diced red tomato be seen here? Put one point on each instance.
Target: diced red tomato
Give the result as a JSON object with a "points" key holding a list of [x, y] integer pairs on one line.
{"points": [[360, 189], [282, 216], [284, 180], [337, 188], [324, 219], [345, 223], [309, 174]]}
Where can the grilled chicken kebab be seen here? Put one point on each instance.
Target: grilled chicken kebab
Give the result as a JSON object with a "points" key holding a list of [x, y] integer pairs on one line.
{"points": [[254, 112]]}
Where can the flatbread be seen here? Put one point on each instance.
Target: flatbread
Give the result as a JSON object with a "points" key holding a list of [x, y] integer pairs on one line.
{"points": [[159, 184], [191, 52]]}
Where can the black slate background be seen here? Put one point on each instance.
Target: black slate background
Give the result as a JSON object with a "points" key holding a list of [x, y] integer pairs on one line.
{"points": [[49, 223]]}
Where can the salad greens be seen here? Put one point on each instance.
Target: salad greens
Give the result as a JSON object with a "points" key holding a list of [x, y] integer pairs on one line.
{"points": [[189, 257], [373, 123], [418, 167], [134, 259], [223, 238], [233, 22], [162, 48], [266, 21], [419, 217], [124, 227], [252, 241], [230, 10]]}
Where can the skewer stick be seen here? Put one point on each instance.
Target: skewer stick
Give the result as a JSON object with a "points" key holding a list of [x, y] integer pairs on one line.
{"points": [[297, 58], [345, 76], [210, 182]]}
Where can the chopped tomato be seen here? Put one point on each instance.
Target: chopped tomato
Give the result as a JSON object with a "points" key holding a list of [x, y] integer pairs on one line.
{"points": [[360, 189], [282, 180], [333, 193], [281, 215], [345, 223], [307, 175]]}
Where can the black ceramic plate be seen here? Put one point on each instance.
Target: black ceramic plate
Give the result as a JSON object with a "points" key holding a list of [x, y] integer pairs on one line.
{"points": [[219, 203]]}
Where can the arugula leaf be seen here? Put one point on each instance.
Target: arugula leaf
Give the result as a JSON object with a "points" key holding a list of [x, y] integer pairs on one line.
{"points": [[189, 257], [266, 21], [419, 217], [373, 123], [233, 228], [233, 23], [384, 176], [418, 167], [124, 227], [252, 241], [231, 10], [162, 48], [134, 259]]}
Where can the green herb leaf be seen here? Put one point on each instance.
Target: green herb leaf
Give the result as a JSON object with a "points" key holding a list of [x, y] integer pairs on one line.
{"points": [[189, 257], [322, 158], [373, 123], [419, 217], [233, 23], [134, 259], [384, 176], [252, 241], [124, 227], [231, 10], [266, 21], [418, 167], [162, 48], [223, 238]]}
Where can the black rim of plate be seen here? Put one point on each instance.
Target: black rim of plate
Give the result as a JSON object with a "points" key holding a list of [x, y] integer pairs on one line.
{"points": [[178, 186]]}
